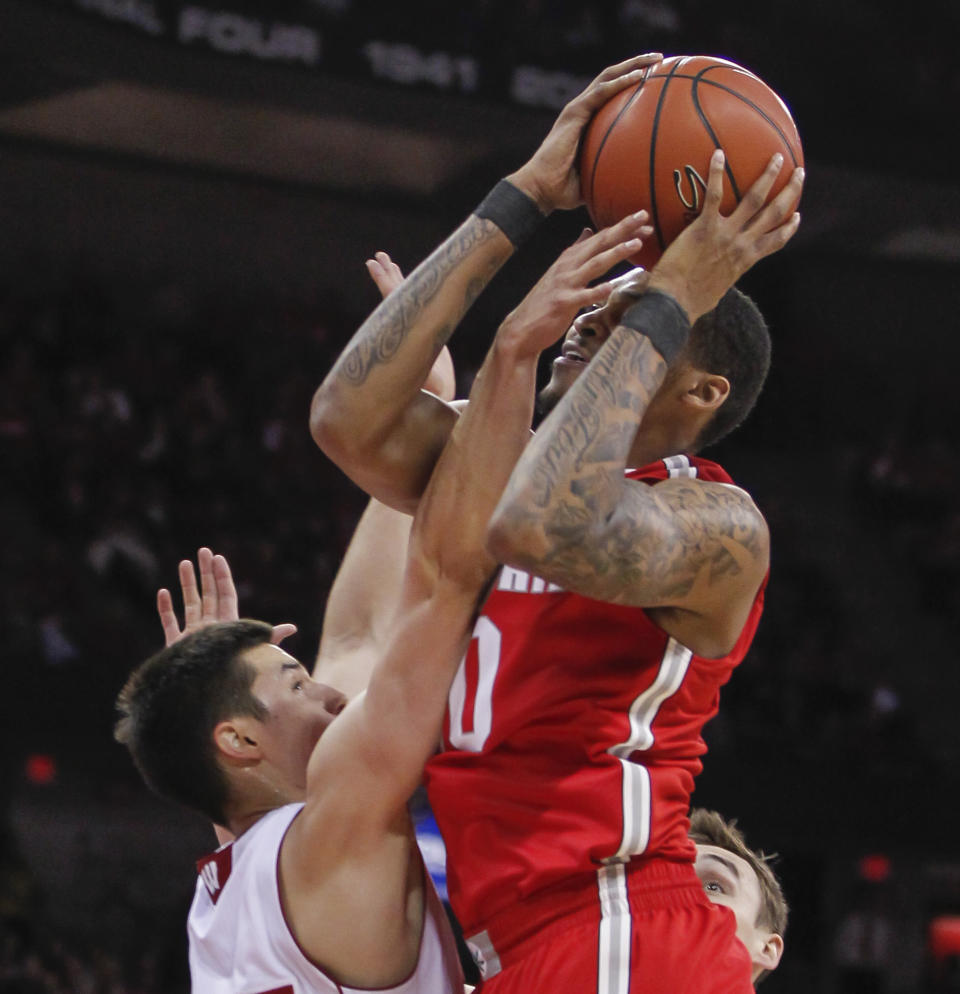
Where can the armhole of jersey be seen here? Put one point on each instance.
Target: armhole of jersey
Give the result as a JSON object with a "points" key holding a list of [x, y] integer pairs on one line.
{"points": [[425, 883]]}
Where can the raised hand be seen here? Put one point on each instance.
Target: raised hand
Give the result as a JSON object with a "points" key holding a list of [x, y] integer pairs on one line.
{"points": [[547, 311], [551, 176], [385, 273], [215, 600], [714, 251]]}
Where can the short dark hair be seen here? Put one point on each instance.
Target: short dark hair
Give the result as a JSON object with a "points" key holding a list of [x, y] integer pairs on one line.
{"points": [[171, 704], [733, 341], [712, 829]]}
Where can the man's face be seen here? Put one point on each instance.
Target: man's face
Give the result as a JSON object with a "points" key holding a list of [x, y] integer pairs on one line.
{"points": [[729, 880], [590, 329], [299, 709]]}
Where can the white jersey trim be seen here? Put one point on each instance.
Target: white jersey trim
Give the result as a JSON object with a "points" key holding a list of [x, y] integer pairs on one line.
{"points": [[637, 813], [679, 466]]}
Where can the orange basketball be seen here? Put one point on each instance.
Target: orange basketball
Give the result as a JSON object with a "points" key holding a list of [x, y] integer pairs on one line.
{"points": [[650, 145]]}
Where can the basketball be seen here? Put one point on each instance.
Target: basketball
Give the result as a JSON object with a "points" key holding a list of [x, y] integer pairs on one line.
{"points": [[649, 146]]}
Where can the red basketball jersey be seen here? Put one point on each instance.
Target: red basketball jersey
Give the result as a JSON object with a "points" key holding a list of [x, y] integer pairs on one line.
{"points": [[572, 737]]}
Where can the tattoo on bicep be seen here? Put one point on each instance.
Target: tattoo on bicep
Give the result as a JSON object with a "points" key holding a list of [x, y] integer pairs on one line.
{"points": [[652, 547], [383, 333]]}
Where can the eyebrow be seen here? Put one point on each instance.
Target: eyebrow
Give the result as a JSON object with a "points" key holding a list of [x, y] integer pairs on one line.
{"points": [[728, 863], [292, 665]]}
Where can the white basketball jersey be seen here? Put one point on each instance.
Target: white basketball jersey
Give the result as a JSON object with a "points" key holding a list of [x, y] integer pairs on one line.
{"points": [[240, 942]]}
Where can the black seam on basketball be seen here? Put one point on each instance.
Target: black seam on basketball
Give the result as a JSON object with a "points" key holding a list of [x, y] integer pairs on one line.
{"points": [[654, 216], [753, 106], [613, 124], [705, 121]]}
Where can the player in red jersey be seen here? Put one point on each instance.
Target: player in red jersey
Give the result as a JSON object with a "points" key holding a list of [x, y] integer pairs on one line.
{"points": [[573, 726]]}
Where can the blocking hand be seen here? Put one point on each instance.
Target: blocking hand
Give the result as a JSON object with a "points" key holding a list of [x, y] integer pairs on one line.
{"points": [[215, 600], [547, 311]]}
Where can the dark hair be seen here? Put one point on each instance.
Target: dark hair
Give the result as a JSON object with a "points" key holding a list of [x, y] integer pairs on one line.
{"points": [[712, 829], [171, 704], [733, 341]]}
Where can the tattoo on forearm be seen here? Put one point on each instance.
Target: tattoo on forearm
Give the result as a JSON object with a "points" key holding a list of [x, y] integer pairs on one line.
{"points": [[383, 333], [596, 424]]}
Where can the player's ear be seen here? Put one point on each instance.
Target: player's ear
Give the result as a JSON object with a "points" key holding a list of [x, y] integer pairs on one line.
{"points": [[708, 391], [771, 952], [235, 743]]}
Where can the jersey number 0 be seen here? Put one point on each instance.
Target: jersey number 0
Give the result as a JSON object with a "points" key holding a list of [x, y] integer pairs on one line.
{"points": [[471, 695]]}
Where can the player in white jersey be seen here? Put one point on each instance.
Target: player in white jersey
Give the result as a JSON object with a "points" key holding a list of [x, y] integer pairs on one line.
{"points": [[323, 888]]}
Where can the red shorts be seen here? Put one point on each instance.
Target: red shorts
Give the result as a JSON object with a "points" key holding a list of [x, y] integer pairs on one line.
{"points": [[645, 929]]}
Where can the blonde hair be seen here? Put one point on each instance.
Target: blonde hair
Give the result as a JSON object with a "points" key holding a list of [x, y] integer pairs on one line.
{"points": [[712, 829]]}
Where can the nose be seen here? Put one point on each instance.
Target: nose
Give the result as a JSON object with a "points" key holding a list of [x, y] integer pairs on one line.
{"points": [[331, 699], [335, 702], [587, 325]]}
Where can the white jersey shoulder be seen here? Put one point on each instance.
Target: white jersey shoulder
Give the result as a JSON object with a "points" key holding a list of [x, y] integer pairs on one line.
{"points": [[240, 942]]}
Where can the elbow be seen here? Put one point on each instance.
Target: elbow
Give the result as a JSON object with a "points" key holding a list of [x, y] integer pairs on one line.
{"points": [[498, 540], [328, 426], [321, 417]]}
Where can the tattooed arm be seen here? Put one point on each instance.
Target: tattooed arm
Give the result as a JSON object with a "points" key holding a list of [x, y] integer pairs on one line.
{"points": [[693, 551], [369, 415]]}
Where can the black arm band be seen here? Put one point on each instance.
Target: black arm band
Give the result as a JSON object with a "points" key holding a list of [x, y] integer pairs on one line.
{"points": [[661, 319], [512, 211]]}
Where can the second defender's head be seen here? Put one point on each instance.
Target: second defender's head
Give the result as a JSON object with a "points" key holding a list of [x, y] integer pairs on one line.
{"points": [[741, 879]]}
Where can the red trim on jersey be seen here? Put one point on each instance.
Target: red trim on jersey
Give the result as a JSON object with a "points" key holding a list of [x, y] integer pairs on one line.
{"points": [[214, 870]]}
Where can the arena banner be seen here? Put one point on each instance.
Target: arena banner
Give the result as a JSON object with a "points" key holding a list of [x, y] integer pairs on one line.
{"points": [[334, 36]]}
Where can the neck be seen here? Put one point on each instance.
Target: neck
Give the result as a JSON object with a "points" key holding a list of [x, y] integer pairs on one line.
{"points": [[648, 447], [249, 808]]}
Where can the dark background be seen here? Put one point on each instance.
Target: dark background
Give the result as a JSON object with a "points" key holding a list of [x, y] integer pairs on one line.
{"points": [[185, 207]]}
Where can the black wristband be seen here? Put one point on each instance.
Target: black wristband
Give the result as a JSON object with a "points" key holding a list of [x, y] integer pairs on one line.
{"points": [[512, 211], [661, 319]]}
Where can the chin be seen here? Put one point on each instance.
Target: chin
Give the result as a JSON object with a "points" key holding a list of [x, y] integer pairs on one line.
{"points": [[547, 400], [551, 395]]}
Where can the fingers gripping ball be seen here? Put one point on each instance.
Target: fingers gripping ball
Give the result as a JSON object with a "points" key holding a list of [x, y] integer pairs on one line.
{"points": [[650, 145]]}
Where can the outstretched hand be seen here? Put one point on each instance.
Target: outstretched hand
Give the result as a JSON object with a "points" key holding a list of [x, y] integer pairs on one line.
{"points": [[215, 600], [551, 176], [441, 380], [548, 310], [714, 251]]}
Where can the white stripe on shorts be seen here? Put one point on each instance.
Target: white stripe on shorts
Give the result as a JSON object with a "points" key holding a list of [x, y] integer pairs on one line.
{"points": [[613, 961]]}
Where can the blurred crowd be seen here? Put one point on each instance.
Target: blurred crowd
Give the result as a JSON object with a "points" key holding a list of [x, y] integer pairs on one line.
{"points": [[133, 428]]}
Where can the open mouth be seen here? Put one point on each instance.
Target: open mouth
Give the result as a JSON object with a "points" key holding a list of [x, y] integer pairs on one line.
{"points": [[573, 355]]}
